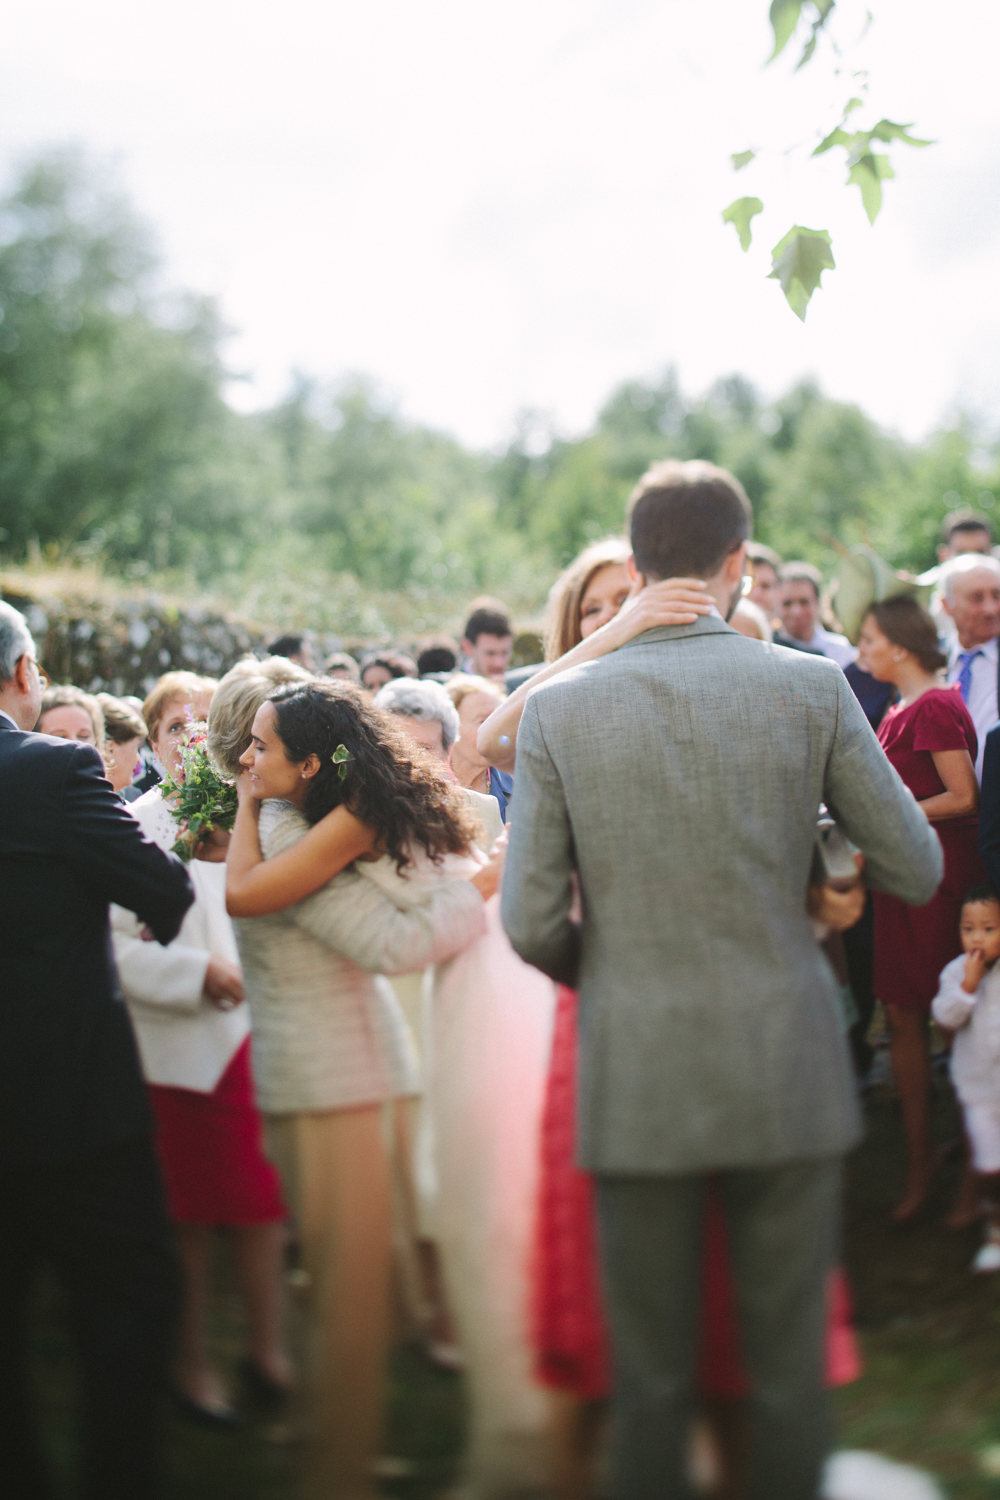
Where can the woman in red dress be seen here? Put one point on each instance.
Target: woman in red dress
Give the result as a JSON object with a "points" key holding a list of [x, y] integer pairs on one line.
{"points": [[930, 739]]}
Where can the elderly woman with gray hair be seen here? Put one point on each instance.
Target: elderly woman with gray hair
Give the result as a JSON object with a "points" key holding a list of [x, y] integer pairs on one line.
{"points": [[430, 719]]}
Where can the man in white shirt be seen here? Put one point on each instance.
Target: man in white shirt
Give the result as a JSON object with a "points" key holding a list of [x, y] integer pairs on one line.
{"points": [[801, 585], [971, 586]]}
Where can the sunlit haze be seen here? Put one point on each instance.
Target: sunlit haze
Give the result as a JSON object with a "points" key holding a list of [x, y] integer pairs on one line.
{"points": [[488, 208]]}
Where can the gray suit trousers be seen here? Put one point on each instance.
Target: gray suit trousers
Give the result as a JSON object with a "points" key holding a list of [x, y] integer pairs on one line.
{"points": [[782, 1225]]}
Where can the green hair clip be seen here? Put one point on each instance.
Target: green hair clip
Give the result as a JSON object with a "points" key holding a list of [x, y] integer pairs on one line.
{"points": [[340, 757]]}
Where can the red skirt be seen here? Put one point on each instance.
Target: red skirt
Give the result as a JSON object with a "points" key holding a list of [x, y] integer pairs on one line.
{"points": [[212, 1152], [913, 943], [570, 1338]]}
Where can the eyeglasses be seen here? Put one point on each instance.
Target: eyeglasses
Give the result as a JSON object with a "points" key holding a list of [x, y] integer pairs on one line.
{"points": [[43, 677]]}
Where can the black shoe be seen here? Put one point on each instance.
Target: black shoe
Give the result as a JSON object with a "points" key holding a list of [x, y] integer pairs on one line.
{"points": [[264, 1393], [222, 1417]]}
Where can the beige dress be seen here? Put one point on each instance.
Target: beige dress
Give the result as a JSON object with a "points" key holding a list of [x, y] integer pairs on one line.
{"points": [[487, 1038]]}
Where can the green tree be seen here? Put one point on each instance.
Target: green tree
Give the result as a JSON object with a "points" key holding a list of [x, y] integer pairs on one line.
{"points": [[114, 436]]}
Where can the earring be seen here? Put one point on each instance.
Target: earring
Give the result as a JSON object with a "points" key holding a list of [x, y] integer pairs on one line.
{"points": [[897, 656]]}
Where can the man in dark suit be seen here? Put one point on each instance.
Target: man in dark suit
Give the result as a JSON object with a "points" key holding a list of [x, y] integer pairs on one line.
{"points": [[79, 1182]]}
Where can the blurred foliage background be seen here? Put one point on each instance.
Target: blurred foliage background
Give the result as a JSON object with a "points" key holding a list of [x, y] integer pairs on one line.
{"points": [[120, 456]]}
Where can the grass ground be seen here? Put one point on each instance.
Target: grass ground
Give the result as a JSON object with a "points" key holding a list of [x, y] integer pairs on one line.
{"points": [[930, 1332]]}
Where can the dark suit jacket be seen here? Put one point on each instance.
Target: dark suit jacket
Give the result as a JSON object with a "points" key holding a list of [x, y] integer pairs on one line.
{"points": [[989, 808], [70, 1079]]}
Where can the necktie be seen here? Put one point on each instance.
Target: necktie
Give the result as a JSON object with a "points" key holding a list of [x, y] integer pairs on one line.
{"points": [[965, 660]]}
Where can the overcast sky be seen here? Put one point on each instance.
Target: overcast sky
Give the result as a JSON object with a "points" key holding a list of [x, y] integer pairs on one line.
{"points": [[490, 207]]}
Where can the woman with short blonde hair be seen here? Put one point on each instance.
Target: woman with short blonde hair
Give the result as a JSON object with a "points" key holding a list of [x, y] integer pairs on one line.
{"points": [[475, 699], [176, 687], [62, 714], [236, 701]]}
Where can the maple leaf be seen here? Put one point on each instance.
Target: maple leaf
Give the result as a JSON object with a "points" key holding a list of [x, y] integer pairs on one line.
{"points": [[798, 261], [739, 213]]}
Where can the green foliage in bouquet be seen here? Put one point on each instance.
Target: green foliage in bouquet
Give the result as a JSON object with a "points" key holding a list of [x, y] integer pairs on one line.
{"points": [[201, 798]]}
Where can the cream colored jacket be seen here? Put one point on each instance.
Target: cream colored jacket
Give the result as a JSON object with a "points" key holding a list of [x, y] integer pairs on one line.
{"points": [[311, 975]]}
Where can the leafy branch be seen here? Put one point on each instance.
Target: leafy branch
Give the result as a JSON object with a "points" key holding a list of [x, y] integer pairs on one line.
{"points": [[868, 169], [799, 259]]}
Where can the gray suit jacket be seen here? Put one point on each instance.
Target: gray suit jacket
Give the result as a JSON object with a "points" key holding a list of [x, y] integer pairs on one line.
{"points": [[681, 777]]}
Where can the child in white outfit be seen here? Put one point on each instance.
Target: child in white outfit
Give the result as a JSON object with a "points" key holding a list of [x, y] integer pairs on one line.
{"points": [[968, 1003]]}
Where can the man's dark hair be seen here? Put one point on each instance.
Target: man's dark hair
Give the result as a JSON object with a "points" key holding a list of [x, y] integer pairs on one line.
{"points": [[981, 891], [286, 645], [488, 617], [396, 662], [803, 572], [686, 518], [758, 553], [965, 519], [437, 658]]}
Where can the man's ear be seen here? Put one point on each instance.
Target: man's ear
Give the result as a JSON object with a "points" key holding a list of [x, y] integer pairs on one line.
{"points": [[736, 564], [633, 572], [22, 674], [467, 645], [946, 606], [943, 552]]}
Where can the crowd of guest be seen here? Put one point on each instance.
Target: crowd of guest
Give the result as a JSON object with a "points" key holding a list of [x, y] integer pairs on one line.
{"points": [[412, 1144]]}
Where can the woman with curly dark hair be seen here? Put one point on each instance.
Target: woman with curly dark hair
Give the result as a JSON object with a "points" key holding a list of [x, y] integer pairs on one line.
{"points": [[375, 798], [322, 1064]]}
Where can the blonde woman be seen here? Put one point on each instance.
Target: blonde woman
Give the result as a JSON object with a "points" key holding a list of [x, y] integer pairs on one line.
{"points": [[69, 713], [475, 698]]}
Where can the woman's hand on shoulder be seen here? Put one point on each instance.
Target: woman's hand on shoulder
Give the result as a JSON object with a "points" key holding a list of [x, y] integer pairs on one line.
{"points": [[673, 601]]}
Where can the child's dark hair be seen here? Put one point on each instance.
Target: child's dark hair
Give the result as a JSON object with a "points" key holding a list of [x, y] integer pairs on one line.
{"points": [[388, 783], [981, 891]]}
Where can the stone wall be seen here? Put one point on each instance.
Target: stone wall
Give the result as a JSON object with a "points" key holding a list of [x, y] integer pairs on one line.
{"points": [[122, 643]]}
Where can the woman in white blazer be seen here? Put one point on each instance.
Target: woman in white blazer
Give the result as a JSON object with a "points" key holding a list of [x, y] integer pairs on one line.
{"points": [[193, 1030]]}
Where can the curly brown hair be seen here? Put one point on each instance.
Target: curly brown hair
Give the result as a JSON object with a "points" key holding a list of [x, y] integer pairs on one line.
{"points": [[390, 784]]}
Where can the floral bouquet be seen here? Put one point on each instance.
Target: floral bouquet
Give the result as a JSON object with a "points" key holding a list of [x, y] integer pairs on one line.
{"points": [[200, 797]]}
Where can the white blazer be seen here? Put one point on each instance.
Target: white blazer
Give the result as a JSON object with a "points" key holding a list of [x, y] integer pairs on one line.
{"points": [[184, 1040]]}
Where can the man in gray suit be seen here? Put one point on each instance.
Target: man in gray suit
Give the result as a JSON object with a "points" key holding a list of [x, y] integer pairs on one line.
{"points": [[680, 777]]}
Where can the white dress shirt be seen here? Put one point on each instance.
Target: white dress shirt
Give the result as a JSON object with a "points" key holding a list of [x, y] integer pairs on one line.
{"points": [[975, 1055], [837, 647], [982, 700]]}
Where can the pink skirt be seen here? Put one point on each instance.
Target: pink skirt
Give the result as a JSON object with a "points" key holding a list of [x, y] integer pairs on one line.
{"points": [[212, 1154]]}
